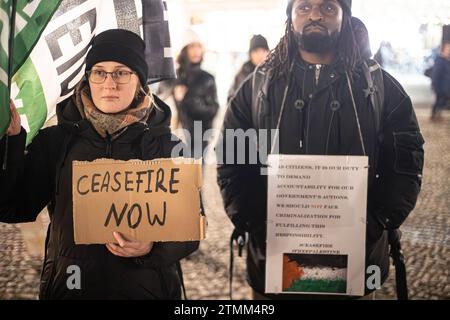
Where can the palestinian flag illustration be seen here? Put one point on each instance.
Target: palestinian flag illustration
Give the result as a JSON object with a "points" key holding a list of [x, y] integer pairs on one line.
{"points": [[315, 273]]}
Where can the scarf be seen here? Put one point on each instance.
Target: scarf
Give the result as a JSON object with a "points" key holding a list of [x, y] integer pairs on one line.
{"points": [[111, 124]]}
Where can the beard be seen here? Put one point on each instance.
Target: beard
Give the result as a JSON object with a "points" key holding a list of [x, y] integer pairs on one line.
{"points": [[317, 42]]}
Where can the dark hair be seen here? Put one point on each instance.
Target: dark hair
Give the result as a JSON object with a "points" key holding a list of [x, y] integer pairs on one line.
{"points": [[183, 59], [361, 38], [285, 52]]}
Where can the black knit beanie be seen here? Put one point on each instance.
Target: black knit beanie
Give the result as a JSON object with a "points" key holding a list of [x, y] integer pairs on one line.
{"points": [[257, 42], [346, 6], [446, 33], [122, 46]]}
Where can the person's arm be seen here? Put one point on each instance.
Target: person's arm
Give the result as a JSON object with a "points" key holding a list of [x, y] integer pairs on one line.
{"points": [[27, 183], [166, 253], [165, 89], [200, 102], [401, 159], [242, 186], [238, 81]]}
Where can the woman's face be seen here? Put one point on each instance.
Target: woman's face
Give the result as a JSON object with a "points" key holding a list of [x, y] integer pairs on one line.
{"points": [[195, 53], [115, 93]]}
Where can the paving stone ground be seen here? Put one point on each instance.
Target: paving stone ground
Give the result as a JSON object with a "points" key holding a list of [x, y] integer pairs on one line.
{"points": [[426, 233], [426, 240]]}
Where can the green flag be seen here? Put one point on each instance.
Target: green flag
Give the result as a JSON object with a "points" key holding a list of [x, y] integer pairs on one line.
{"points": [[48, 75], [30, 19]]}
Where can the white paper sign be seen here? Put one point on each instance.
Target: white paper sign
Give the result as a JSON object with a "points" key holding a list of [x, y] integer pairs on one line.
{"points": [[316, 226]]}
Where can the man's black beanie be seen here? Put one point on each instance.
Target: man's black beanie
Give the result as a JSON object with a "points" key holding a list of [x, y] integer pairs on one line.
{"points": [[121, 46], [346, 6]]}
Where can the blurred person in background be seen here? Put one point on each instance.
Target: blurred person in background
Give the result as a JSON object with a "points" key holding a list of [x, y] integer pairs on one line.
{"points": [[441, 81], [258, 51], [194, 92], [385, 55]]}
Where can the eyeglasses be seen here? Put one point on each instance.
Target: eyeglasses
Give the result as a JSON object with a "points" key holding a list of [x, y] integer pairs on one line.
{"points": [[118, 76]]}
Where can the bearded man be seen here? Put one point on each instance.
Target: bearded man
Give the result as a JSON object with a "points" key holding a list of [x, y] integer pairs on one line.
{"points": [[317, 98]]}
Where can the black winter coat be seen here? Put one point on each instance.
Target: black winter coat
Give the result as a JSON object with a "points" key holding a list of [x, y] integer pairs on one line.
{"points": [[395, 153], [44, 175], [200, 102], [441, 77], [246, 69]]}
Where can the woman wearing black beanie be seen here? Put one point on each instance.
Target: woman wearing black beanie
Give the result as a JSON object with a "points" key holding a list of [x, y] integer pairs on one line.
{"points": [[112, 114]]}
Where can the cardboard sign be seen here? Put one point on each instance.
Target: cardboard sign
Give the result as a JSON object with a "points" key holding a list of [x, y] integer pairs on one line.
{"points": [[156, 200], [316, 229]]}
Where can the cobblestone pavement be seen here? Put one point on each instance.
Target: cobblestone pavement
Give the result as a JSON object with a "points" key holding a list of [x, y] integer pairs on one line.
{"points": [[426, 241], [19, 271]]}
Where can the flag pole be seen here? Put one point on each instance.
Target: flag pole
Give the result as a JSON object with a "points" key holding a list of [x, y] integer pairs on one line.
{"points": [[12, 28], [11, 43]]}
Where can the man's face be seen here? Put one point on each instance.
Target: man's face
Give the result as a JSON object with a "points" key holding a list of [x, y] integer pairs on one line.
{"points": [[317, 24]]}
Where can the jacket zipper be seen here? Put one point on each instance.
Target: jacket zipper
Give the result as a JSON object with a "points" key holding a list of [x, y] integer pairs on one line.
{"points": [[300, 105], [318, 69], [315, 83], [108, 146]]}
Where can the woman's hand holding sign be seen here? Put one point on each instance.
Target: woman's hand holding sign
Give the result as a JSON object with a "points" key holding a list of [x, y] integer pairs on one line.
{"points": [[128, 249]]}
